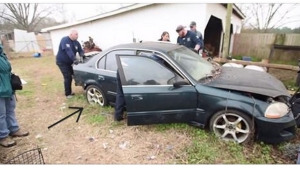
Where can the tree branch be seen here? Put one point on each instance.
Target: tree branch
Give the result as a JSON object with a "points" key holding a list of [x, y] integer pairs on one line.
{"points": [[27, 15]]}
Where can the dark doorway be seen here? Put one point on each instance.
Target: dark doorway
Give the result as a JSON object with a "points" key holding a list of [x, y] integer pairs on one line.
{"points": [[212, 35]]}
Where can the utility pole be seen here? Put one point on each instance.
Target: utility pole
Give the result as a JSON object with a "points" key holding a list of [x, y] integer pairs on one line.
{"points": [[225, 51]]}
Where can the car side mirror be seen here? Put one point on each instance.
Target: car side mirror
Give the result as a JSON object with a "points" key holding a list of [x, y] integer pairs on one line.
{"points": [[180, 83]]}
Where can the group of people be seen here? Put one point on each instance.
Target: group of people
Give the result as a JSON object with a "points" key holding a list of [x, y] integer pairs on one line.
{"points": [[192, 38], [65, 57]]}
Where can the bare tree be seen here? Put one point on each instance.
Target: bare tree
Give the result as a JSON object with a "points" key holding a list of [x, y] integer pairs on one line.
{"points": [[27, 16], [265, 17]]}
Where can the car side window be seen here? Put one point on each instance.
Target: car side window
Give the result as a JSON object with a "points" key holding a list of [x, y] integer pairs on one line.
{"points": [[146, 71], [151, 54], [101, 63], [111, 63]]}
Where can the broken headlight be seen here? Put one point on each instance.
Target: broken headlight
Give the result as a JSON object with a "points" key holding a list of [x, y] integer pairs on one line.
{"points": [[276, 110]]}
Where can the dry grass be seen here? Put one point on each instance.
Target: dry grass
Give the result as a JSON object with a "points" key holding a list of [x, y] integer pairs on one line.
{"points": [[96, 139]]}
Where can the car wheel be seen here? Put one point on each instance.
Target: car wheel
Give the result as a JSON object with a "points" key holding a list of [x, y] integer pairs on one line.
{"points": [[232, 126], [95, 95]]}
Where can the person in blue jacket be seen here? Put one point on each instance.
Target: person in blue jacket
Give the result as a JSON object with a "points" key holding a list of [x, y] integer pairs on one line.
{"points": [[8, 122], [188, 38], [66, 57]]}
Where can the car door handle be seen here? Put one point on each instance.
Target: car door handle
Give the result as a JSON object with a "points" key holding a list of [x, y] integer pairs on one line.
{"points": [[136, 97], [101, 77]]}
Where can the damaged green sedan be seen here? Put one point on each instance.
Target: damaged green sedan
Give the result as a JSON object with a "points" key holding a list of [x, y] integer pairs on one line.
{"points": [[236, 104]]}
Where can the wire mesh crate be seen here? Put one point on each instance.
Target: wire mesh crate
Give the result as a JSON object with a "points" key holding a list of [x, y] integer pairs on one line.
{"points": [[33, 156]]}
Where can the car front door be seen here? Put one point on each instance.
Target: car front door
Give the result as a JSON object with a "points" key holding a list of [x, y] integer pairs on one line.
{"points": [[107, 71], [150, 95]]}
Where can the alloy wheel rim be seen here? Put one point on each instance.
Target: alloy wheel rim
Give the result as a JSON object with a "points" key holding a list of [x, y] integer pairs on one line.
{"points": [[231, 127], [95, 96]]}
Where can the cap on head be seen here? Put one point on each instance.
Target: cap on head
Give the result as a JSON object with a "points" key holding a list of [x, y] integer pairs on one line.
{"points": [[193, 23], [179, 28]]}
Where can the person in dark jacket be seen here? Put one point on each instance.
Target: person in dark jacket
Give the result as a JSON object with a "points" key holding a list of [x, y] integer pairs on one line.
{"points": [[8, 122], [193, 28], [165, 36], [66, 57], [188, 38]]}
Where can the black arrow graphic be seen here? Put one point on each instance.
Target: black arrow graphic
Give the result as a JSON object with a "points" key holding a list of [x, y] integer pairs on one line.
{"points": [[79, 109]]}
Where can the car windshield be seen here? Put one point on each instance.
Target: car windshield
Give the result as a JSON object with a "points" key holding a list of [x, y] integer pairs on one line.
{"points": [[192, 63]]}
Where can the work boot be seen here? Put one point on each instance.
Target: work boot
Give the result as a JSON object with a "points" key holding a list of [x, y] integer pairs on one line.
{"points": [[20, 133], [7, 142]]}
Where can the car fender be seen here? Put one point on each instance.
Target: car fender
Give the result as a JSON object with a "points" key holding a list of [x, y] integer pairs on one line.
{"points": [[92, 82], [250, 109]]}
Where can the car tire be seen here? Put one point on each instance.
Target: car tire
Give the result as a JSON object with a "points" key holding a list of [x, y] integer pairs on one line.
{"points": [[95, 95], [232, 125]]}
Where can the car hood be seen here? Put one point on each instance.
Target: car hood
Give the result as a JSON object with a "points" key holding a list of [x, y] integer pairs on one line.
{"points": [[249, 81]]}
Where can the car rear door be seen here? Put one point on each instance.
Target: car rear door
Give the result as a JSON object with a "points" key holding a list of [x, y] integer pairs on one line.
{"points": [[150, 95]]}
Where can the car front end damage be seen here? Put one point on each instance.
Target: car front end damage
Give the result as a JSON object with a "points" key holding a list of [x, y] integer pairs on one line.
{"points": [[279, 122], [278, 112], [275, 130]]}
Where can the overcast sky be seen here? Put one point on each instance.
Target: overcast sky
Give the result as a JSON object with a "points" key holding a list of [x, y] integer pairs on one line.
{"points": [[81, 11]]}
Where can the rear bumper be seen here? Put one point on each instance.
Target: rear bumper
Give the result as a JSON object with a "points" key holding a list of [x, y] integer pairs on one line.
{"points": [[275, 131]]}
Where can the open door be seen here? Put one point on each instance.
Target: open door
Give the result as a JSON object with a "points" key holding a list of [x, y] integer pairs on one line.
{"points": [[150, 94]]}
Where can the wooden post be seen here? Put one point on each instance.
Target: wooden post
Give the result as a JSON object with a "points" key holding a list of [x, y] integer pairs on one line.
{"points": [[227, 31]]}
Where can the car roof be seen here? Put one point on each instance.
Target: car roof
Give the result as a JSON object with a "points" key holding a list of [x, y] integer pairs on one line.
{"points": [[156, 45]]}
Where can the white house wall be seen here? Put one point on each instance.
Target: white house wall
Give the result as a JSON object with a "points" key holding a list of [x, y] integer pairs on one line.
{"points": [[145, 24]]}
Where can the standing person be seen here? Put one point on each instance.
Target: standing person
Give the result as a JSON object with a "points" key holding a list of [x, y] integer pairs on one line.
{"points": [[66, 56], [8, 122], [193, 28], [188, 38], [165, 36]]}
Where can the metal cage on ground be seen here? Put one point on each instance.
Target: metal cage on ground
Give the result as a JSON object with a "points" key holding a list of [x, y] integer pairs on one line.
{"points": [[33, 156]]}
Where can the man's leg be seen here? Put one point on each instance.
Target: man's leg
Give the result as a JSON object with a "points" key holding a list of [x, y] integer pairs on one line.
{"points": [[3, 125], [11, 120], [67, 74], [120, 101], [5, 141]]}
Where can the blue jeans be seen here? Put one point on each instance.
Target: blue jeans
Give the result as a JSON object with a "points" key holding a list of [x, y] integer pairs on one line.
{"points": [[67, 72], [8, 121]]}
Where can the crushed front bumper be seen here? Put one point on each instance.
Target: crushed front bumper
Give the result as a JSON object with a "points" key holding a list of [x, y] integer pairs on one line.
{"points": [[275, 131]]}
